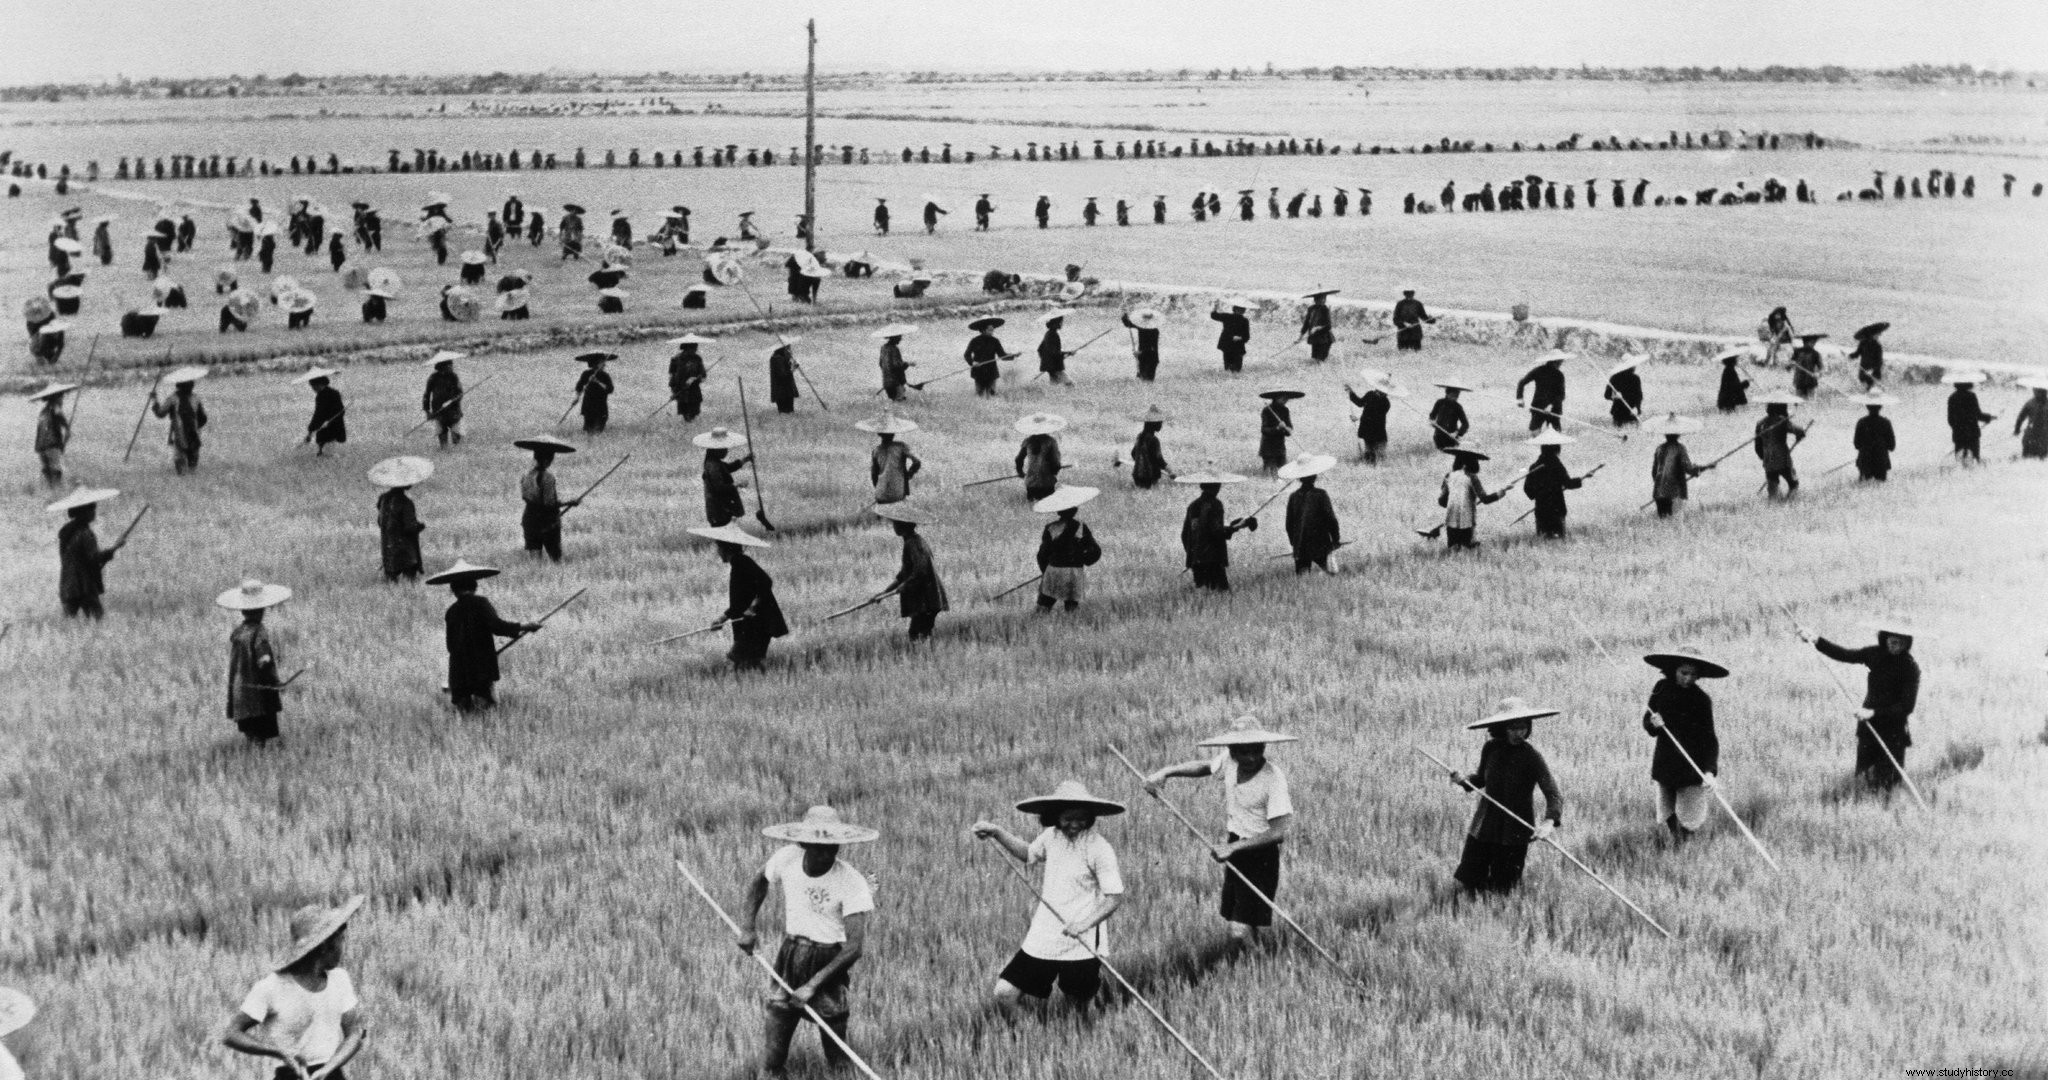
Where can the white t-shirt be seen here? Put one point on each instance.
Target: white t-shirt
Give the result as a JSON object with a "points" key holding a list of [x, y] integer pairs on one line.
{"points": [[305, 1023], [817, 907], [1248, 806], [1078, 874]]}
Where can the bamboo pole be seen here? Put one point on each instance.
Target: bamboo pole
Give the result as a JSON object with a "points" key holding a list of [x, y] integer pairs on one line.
{"points": [[1855, 707], [522, 636]]}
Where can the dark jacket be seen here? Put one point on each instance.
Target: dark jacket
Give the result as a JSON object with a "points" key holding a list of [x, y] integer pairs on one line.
{"points": [[1236, 331], [1315, 324], [1038, 462], [1312, 524], [1734, 391], [1689, 717], [1511, 774], [1548, 383], [1875, 442], [252, 673], [473, 630], [1773, 442], [750, 598], [1067, 543], [1625, 390], [1148, 462], [895, 372], [1965, 415], [1051, 357], [1204, 535], [782, 375], [1373, 407], [1148, 340], [399, 528], [722, 502], [79, 563], [1547, 482], [983, 350], [329, 423], [596, 388], [1450, 424], [919, 591], [1409, 313], [686, 372], [439, 400], [187, 415], [1893, 687]]}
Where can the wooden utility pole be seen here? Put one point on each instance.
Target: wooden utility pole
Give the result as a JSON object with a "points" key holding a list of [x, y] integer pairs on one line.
{"points": [[811, 138]]}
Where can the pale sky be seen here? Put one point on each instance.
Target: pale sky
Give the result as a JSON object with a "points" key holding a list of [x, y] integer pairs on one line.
{"points": [[88, 40]]}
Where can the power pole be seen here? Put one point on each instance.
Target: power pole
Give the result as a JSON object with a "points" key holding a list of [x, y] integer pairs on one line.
{"points": [[811, 139]]}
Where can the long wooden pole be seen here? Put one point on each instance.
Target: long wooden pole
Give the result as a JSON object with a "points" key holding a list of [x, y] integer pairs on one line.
{"points": [[738, 935], [1856, 707], [811, 139], [1242, 879], [147, 402], [1573, 859], [753, 457], [79, 398], [450, 402], [1531, 510], [593, 484], [551, 614], [1019, 585]]}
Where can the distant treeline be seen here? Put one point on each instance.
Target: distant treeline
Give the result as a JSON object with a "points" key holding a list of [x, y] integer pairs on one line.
{"points": [[499, 82]]}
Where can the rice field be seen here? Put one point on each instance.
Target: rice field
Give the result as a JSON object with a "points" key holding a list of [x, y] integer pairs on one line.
{"points": [[524, 914]]}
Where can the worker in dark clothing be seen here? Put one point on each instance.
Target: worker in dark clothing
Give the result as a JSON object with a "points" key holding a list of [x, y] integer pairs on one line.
{"points": [[1204, 532], [1890, 695], [881, 217], [1734, 389], [686, 373], [540, 521], [1038, 456], [1373, 406], [398, 520], [1276, 426], [1448, 424], [1144, 324], [442, 400], [1511, 771], [782, 376], [1315, 325], [330, 417], [1874, 440], [1148, 461], [1312, 530], [1776, 435], [1043, 210], [1869, 356], [594, 391], [983, 211], [81, 562], [1235, 335], [920, 595], [1806, 365], [1066, 549], [751, 610], [1409, 315], [1624, 393], [1052, 356], [1546, 398], [722, 502], [473, 628], [1687, 761], [984, 350], [1966, 418], [1547, 481]]}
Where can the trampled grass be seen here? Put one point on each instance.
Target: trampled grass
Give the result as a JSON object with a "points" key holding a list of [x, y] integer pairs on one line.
{"points": [[525, 916]]}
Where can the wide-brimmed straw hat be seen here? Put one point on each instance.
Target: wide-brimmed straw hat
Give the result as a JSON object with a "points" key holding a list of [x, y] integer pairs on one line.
{"points": [[1629, 363], [1245, 731], [401, 472], [1207, 476], [1146, 318], [1153, 415], [1877, 401], [820, 825], [81, 497], [312, 925], [1043, 423], [462, 570], [180, 376], [1467, 451], [16, 1010], [510, 300], [614, 293], [1556, 356], [54, 326], [1550, 437], [1056, 313], [1963, 378], [251, 595], [989, 323], [727, 534], [1069, 795], [904, 511], [692, 339], [1512, 710], [66, 292], [1319, 292], [1896, 625], [57, 389], [2033, 382], [1065, 498], [1872, 330], [720, 438], [475, 258], [1453, 384], [445, 356], [318, 373], [299, 301], [1672, 424], [1687, 654], [893, 330], [597, 357], [1237, 302], [1382, 381], [1781, 397], [1071, 291], [544, 442], [1306, 465], [1282, 394], [887, 424]]}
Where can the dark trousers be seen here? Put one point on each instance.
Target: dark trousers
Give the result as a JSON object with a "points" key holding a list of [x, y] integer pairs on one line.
{"points": [[259, 728], [1490, 867], [1216, 577], [921, 625], [1233, 359], [1148, 366], [1967, 444], [1460, 538], [544, 538], [1772, 476], [90, 607], [1303, 562], [595, 421], [1872, 472], [1666, 506], [797, 961], [1540, 420], [1550, 522], [1261, 867], [184, 460], [1872, 767], [1319, 347], [749, 648], [229, 322], [1409, 338]]}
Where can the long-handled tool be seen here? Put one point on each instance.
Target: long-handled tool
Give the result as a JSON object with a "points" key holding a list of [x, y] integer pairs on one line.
{"points": [[688, 634], [867, 603], [523, 634], [1448, 433], [1609, 380], [990, 480], [1436, 530], [740, 935], [1857, 708], [1242, 879], [1289, 554], [1285, 487], [938, 378], [1076, 349], [1114, 973], [137, 520], [753, 457], [1734, 450], [812, 386], [1019, 585], [324, 425], [1713, 786], [466, 391], [1588, 476], [1275, 354], [146, 404], [578, 500], [1569, 857], [669, 400], [1621, 436], [573, 402], [79, 398]]}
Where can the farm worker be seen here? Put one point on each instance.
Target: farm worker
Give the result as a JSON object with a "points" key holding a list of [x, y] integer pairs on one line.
{"points": [[622, 229], [1052, 358], [1889, 696], [825, 908], [305, 1013], [1315, 325], [686, 373], [782, 376], [53, 430], [1144, 324], [1038, 456], [1158, 209], [594, 387], [1680, 714], [1409, 315], [1806, 365], [1082, 887], [1090, 212], [80, 560], [473, 627], [1204, 532], [253, 701], [722, 502], [1510, 770], [920, 594], [1066, 548], [1246, 205], [1734, 389], [1311, 521], [443, 397], [540, 522], [1966, 418], [186, 414], [330, 417], [1275, 425], [1624, 393], [748, 230], [376, 305], [1043, 210], [881, 217], [1874, 439], [398, 522], [1869, 355], [751, 610], [1460, 495], [1235, 334], [2031, 425], [895, 369], [1547, 481], [1545, 383], [1148, 461], [16, 1010], [1258, 815], [1373, 406], [1447, 421], [983, 350], [983, 210], [536, 228], [569, 231], [891, 465], [1776, 435], [606, 276], [1671, 466], [931, 216]]}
